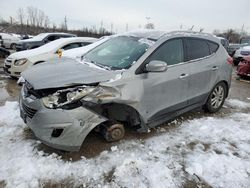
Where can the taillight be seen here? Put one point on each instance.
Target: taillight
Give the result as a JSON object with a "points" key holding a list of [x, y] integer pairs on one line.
{"points": [[230, 61]]}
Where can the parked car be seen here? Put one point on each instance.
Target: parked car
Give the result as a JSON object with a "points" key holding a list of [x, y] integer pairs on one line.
{"points": [[40, 40], [1, 41], [245, 40], [9, 40], [243, 69], [77, 53], [139, 79], [20, 61], [232, 48], [240, 54], [224, 42], [4, 52]]}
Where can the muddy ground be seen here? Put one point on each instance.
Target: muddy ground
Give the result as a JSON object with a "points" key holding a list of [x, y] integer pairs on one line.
{"points": [[94, 143]]}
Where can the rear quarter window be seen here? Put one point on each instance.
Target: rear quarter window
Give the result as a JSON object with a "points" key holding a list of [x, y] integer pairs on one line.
{"points": [[197, 48], [213, 46]]}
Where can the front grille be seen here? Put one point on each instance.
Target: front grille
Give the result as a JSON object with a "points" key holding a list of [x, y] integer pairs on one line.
{"points": [[30, 112]]}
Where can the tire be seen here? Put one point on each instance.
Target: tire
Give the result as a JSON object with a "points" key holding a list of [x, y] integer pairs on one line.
{"points": [[216, 98], [13, 46]]}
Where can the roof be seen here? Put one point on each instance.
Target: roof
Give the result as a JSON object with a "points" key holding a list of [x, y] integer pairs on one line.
{"points": [[157, 34], [146, 33], [58, 33]]}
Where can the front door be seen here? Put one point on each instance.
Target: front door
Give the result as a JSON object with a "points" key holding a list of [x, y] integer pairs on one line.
{"points": [[165, 92]]}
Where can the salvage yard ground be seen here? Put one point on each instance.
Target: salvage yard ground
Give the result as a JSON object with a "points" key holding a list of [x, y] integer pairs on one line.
{"points": [[195, 150]]}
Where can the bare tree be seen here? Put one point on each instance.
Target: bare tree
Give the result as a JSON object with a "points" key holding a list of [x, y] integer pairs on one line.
{"points": [[149, 26], [65, 23], [32, 14], [20, 15], [46, 22], [40, 18]]}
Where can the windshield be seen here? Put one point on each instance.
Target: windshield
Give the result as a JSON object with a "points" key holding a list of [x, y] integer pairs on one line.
{"points": [[119, 52], [40, 36]]}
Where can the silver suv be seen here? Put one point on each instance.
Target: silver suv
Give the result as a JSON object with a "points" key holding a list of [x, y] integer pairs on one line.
{"points": [[139, 79]]}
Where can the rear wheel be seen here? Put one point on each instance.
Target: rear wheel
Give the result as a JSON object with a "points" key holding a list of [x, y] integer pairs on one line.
{"points": [[216, 98]]}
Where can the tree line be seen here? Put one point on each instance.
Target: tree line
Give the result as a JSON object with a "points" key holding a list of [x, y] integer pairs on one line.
{"points": [[34, 21], [232, 35]]}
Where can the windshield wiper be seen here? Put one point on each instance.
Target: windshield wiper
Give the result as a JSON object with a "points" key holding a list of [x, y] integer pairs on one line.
{"points": [[100, 65], [95, 63]]}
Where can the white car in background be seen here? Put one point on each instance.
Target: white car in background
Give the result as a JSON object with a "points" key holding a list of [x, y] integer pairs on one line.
{"points": [[78, 52], [20, 61], [9, 40], [240, 54]]}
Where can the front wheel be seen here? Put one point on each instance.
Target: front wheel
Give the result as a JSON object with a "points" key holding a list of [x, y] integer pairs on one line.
{"points": [[216, 98]]}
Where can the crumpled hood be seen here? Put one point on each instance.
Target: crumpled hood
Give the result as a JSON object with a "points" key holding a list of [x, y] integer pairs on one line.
{"points": [[65, 72]]}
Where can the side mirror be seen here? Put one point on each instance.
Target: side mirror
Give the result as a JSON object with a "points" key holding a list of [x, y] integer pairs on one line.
{"points": [[156, 66]]}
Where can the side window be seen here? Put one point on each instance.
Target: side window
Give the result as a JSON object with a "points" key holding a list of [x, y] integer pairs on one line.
{"points": [[197, 48], [52, 37], [170, 52], [85, 43], [72, 45], [213, 46], [65, 36]]}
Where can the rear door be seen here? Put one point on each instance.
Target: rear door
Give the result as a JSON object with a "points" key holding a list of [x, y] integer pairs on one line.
{"points": [[203, 68]]}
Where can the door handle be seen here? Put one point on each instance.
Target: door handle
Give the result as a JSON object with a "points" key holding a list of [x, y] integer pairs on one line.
{"points": [[183, 75], [214, 68]]}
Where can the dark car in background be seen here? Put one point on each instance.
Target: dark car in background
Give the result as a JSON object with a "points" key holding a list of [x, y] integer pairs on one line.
{"points": [[1, 41], [40, 40], [4, 52], [232, 49], [224, 42]]}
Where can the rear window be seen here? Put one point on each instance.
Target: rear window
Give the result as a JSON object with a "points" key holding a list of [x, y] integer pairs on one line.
{"points": [[197, 48], [213, 46]]}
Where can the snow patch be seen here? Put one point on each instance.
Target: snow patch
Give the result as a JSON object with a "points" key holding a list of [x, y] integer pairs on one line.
{"points": [[235, 103], [214, 149]]}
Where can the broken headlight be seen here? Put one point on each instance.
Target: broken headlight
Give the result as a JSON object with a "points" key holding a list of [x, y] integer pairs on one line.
{"points": [[68, 96], [50, 101]]}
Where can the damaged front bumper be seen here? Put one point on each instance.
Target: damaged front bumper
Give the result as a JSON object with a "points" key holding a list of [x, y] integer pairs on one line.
{"points": [[58, 128]]}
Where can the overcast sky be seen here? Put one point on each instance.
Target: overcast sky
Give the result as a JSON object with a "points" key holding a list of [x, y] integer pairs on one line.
{"points": [[165, 14]]}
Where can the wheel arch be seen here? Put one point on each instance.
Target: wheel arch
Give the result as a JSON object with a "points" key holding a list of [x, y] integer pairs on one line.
{"points": [[121, 113], [227, 86]]}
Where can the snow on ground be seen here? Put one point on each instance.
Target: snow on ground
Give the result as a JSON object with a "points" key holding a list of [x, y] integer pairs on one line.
{"points": [[235, 103], [211, 150]]}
